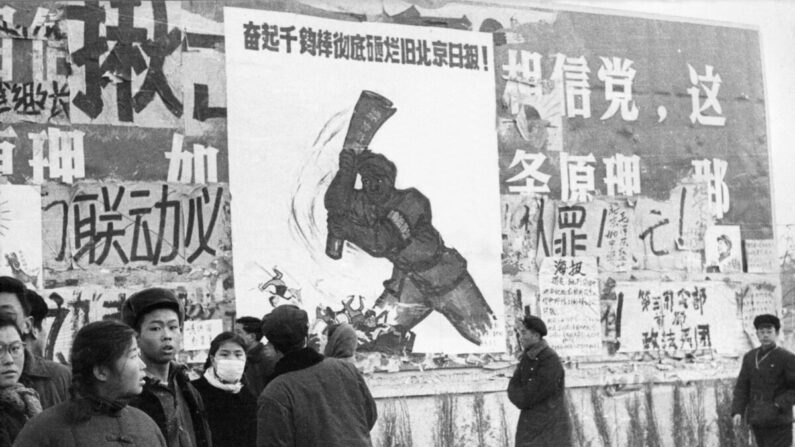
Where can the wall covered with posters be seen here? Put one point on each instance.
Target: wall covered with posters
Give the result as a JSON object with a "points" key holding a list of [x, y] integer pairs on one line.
{"points": [[608, 173]]}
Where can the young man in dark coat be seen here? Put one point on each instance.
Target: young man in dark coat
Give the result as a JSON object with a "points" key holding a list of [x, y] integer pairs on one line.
{"points": [[50, 379], [538, 389], [260, 358], [168, 396], [310, 400], [765, 388]]}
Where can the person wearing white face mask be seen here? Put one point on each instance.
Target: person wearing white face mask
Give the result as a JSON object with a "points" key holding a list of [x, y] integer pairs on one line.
{"points": [[231, 408]]}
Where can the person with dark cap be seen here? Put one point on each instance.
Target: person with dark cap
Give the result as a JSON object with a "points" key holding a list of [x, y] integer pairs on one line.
{"points": [[310, 400], [537, 388], [765, 389], [168, 396], [37, 338], [50, 379], [260, 358], [396, 224]]}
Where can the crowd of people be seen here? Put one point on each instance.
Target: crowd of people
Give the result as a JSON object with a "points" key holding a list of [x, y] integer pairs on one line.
{"points": [[125, 387]]}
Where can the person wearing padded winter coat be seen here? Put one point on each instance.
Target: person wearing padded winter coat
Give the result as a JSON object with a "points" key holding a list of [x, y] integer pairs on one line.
{"points": [[18, 403], [765, 389], [168, 396], [311, 400], [106, 372], [538, 389], [231, 409]]}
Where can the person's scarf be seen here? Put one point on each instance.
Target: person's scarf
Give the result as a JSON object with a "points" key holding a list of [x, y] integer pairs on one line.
{"points": [[342, 341], [83, 405], [21, 399], [213, 380]]}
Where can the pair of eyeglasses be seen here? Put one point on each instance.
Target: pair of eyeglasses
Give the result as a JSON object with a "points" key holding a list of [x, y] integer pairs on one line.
{"points": [[15, 349]]}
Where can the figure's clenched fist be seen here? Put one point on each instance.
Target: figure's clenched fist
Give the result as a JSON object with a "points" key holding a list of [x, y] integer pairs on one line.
{"points": [[347, 160]]}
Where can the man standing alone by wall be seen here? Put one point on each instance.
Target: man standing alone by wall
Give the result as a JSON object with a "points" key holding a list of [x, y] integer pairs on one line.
{"points": [[765, 388], [537, 388]]}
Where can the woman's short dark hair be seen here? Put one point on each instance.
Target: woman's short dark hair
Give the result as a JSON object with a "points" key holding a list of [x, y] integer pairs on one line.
{"points": [[100, 343], [7, 321], [220, 339]]}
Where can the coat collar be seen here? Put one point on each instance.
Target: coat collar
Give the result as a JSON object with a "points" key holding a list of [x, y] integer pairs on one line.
{"points": [[536, 349], [35, 366], [296, 361]]}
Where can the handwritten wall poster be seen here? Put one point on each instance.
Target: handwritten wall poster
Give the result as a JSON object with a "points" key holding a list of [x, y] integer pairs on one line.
{"points": [[670, 234], [126, 63], [203, 74], [633, 112], [723, 249], [678, 317], [757, 298], [601, 228], [283, 164], [569, 302], [20, 233], [37, 153], [71, 308], [761, 256], [197, 334], [93, 226], [520, 226], [33, 67]]}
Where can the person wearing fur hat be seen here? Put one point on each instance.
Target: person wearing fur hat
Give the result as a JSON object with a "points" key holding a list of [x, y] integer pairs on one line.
{"points": [[765, 389], [311, 400], [168, 396], [537, 388], [396, 224]]}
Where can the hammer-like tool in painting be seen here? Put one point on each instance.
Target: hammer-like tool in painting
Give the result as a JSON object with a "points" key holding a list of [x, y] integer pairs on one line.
{"points": [[371, 111]]}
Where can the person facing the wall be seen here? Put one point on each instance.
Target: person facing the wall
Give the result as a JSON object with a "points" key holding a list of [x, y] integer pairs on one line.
{"points": [[538, 389], [50, 379], [260, 358], [231, 409], [342, 342], [168, 396], [18, 404], [765, 389], [107, 371], [311, 400]]}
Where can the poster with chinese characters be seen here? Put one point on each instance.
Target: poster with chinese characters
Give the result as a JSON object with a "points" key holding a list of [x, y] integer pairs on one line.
{"points": [[569, 305], [126, 63], [359, 160], [93, 227], [595, 105], [678, 317]]}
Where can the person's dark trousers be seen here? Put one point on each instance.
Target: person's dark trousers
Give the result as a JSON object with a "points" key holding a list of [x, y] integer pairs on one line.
{"points": [[780, 436]]}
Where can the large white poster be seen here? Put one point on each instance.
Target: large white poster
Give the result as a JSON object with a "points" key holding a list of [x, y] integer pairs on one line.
{"points": [[20, 233], [412, 203]]}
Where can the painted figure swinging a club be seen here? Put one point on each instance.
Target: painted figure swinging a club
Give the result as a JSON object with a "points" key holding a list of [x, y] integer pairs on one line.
{"points": [[396, 224]]}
